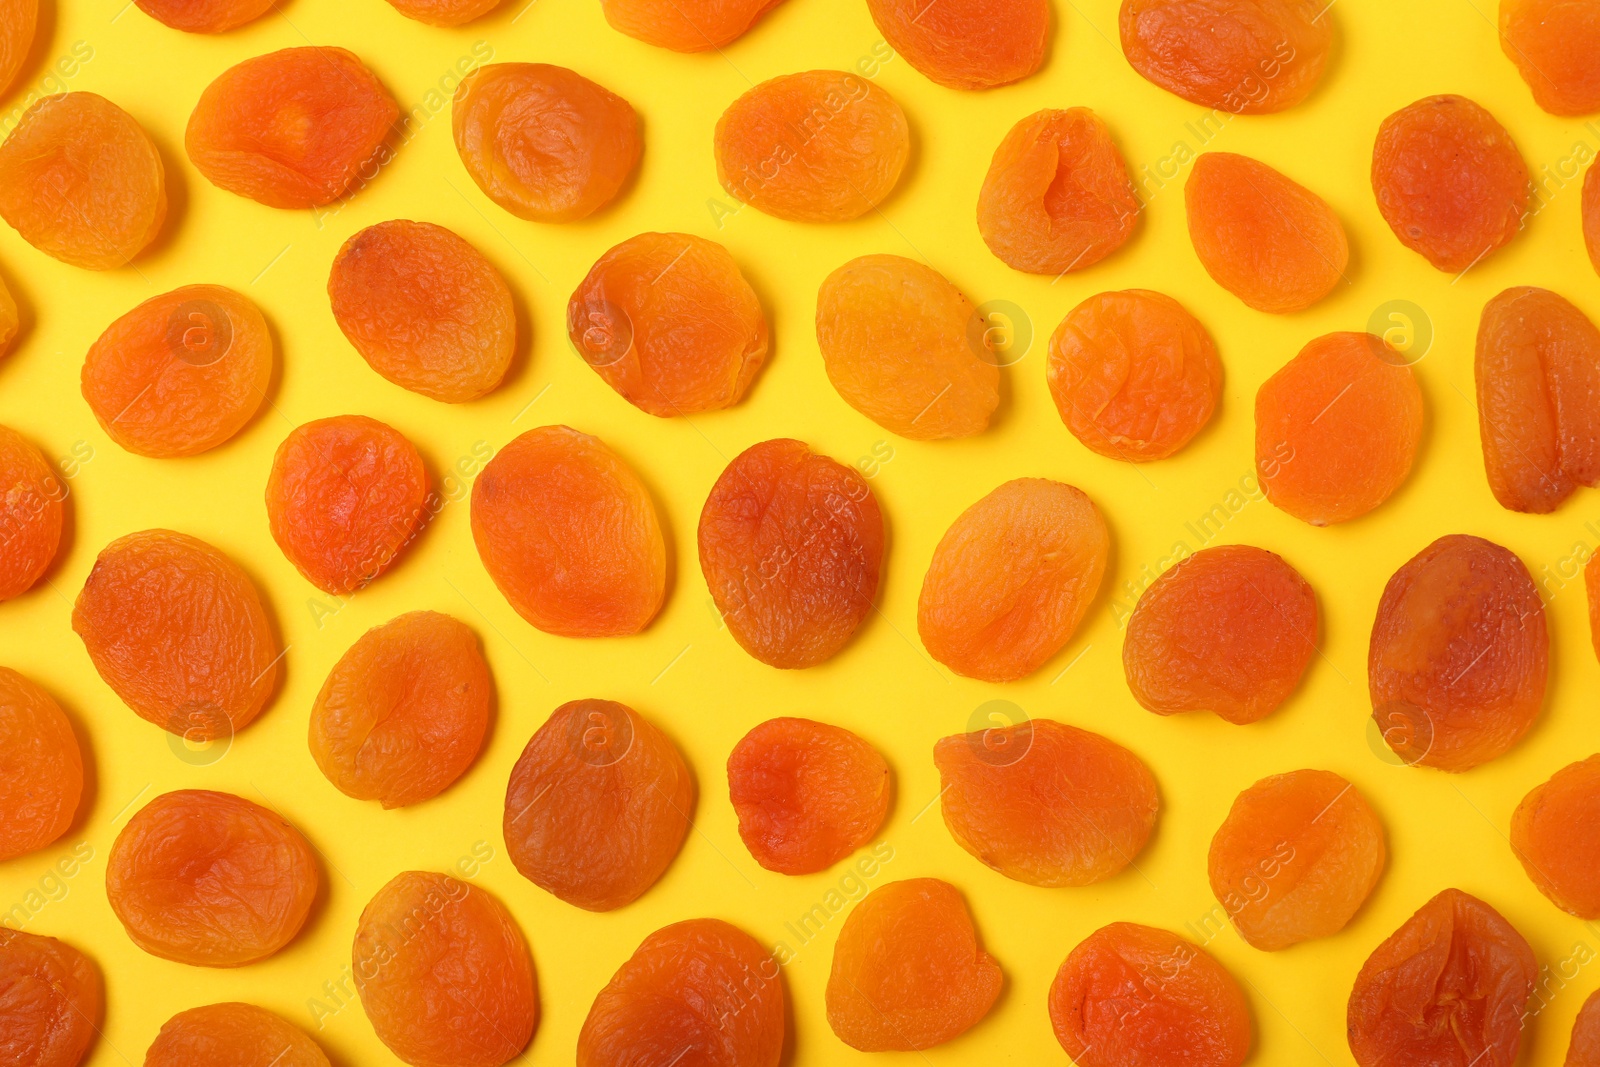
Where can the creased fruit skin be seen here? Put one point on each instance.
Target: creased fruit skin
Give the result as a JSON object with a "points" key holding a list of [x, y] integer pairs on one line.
{"points": [[427, 948], [1448, 988], [1449, 181], [296, 128], [232, 1035], [178, 630], [50, 1001], [966, 44], [41, 767], [425, 309], [1553, 44], [807, 793], [80, 180], [598, 805], [1337, 428], [181, 373], [905, 348], [1553, 834], [10, 320], [701, 991], [701, 27], [544, 142], [570, 535], [669, 322], [31, 514], [403, 713], [1229, 630], [908, 973], [19, 19], [1584, 1051], [1296, 857], [1073, 808], [1538, 377], [1011, 579], [1135, 995], [1057, 196], [444, 12], [791, 545], [822, 146], [205, 16], [210, 879], [1459, 655]]}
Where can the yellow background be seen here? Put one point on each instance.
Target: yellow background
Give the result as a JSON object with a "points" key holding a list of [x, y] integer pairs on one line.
{"points": [[685, 672]]}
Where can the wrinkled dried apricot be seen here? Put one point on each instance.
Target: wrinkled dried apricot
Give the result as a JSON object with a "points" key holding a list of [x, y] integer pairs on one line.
{"points": [[41, 768], [210, 879], [598, 805], [10, 319], [425, 309], [1459, 654], [1449, 181], [232, 1035], [205, 16], [1011, 579], [296, 128], [822, 146], [178, 630], [17, 28], [50, 1001], [966, 44], [569, 535], [1591, 215], [31, 513], [1057, 196], [1584, 1051], [444, 12], [1448, 988], [791, 545], [1552, 833], [701, 992], [181, 373], [1553, 44], [669, 322], [1131, 995], [1045, 803], [403, 712], [80, 180], [1337, 428], [700, 27], [444, 973], [1591, 583], [1228, 630], [807, 794]]}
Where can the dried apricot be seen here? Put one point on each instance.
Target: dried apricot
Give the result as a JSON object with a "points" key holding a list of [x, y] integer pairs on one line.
{"points": [[210, 879], [1591, 583], [822, 146], [1057, 196], [1133, 374], [1448, 988], [10, 319], [181, 373], [232, 1035], [1011, 579], [444, 973], [50, 1001], [966, 44], [1584, 1051], [1130, 995], [41, 768], [80, 180], [425, 309], [1552, 833], [598, 805], [701, 993], [1449, 181], [444, 12], [1459, 655], [702, 27], [1553, 44], [669, 322], [403, 712], [1045, 803], [178, 630], [791, 545], [1337, 428], [296, 128], [17, 29], [807, 794], [205, 16], [31, 513]]}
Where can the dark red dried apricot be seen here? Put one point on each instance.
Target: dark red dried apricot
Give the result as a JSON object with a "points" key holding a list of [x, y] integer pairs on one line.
{"points": [[232, 1035], [966, 44], [444, 12], [205, 16], [31, 513], [51, 997], [1553, 834], [1553, 44], [41, 767], [18, 24]]}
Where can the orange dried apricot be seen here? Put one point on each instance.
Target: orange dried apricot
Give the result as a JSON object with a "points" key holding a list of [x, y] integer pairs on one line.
{"points": [[444, 973], [701, 993], [10, 320], [80, 180], [1448, 988], [1337, 428], [232, 1035], [669, 322], [1584, 1051], [1553, 834], [821, 146], [181, 373], [791, 545], [807, 794], [205, 16], [1591, 215], [906, 349], [210, 879], [702, 27], [1459, 655], [569, 534], [1046, 803], [1011, 579], [444, 12], [403, 712], [1449, 181], [597, 805], [296, 128], [178, 630], [966, 44], [425, 309], [50, 1001], [1057, 196], [18, 24], [41, 767], [1553, 44], [1591, 583], [31, 513]]}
